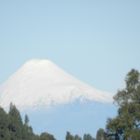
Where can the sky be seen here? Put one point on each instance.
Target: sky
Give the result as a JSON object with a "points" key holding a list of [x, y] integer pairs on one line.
{"points": [[96, 41]]}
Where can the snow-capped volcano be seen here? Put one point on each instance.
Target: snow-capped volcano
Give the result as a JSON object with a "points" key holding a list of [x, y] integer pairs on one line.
{"points": [[42, 83]]}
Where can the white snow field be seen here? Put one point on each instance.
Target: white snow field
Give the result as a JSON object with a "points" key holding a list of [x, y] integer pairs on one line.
{"points": [[43, 83]]}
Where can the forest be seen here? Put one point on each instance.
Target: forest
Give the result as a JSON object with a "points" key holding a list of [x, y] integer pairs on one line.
{"points": [[12, 127], [125, 126]]}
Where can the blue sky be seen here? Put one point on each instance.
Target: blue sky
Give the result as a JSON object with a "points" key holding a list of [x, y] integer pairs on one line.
{"points": [[97, 41]]}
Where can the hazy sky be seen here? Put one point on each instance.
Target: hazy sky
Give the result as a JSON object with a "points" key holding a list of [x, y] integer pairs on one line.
{"points": [[98, 41]]}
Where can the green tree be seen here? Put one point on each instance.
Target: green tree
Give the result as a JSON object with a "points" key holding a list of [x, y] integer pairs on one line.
{"points": [[46, 136], [4, 132], [101, 135], [27, 130], [88, 137], [77, 137], [127, 122], [26, 120], [12, 127], [15, 123], [69, 136]]}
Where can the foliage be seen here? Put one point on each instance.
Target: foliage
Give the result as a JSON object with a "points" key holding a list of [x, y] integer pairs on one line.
{"points": [[88, 137], [4, 131], [69, 136], [46, 136], [127, 123], [13, 128], [101, 135]]}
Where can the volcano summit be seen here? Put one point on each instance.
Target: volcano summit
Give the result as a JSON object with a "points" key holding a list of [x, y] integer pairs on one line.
{"points": [[42, 83]]}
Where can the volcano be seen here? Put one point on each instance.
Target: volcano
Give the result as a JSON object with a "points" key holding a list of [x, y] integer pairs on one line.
{"points": [[43, 83]]}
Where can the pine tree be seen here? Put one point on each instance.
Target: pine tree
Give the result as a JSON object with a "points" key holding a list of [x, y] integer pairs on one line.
{"points": [[4, 132], [12, 127], [26, 120], [15, 123]]}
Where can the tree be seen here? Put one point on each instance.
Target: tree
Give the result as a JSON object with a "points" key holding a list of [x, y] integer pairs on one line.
{"points": [[4, 132], [88, 137], [127, 123], [26, 120], [101, 135], [77, 137], [13, 128], [27, 130], [69, 136], [15, 123], [46, 136]]}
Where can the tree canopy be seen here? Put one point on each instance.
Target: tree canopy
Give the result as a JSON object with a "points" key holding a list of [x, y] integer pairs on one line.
{"points": [[127, 122], [13, 128]]}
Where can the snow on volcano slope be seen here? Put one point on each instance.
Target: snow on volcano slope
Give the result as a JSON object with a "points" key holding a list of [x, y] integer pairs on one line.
{"points": [[42, 83]]}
